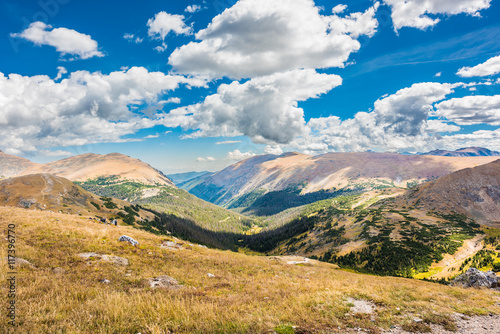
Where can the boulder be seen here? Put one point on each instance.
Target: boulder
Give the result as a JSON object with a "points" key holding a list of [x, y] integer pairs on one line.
{"points": [[129, 239], [163, 282], [476, 279]]}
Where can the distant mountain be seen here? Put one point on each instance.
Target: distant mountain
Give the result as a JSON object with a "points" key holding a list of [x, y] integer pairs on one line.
{"points": [[184, 177], [474, 192], [285, 179], [87, 166], [190, 184], [54, 193], [465, 152], [10, 165]]}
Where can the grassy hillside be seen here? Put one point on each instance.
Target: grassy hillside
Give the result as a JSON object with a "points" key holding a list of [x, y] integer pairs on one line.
{"points": [[63, 292], [171, 201]]}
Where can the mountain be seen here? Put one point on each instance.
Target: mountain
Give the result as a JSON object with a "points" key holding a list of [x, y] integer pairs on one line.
{"points": [[10, 165], [86, 166], [89, 166], [465, 152], [293, 179], [474, 192], [57, 194], [184, 177]]}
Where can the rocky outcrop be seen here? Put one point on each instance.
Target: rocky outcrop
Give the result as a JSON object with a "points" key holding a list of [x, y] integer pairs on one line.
{"points": [[476, 279]]}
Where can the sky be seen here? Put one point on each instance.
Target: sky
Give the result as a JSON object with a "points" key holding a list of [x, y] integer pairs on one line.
{"points": [[194, 85]]}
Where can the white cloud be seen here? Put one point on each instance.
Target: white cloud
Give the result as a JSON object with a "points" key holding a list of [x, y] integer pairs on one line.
{"points": [[82, 109], [471, 110], [152, 136], [163, 23], [339, 9], [133, 38], [60, 72], [175, 100], [58, 153], [438, 74], [397, 122], [264, 108], [206, 159], [422, 14], [356, 24], [228, 142], [66, 41], [192, 9], [489, 67], [273, 149], [262, 37], [237, 155]]}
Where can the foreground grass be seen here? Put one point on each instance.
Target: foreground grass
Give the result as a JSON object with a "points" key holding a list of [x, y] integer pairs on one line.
{"points": [[249, 294]]}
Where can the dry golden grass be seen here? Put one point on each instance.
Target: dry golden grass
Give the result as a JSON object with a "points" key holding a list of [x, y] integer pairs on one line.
{"points": [[249, 294]]}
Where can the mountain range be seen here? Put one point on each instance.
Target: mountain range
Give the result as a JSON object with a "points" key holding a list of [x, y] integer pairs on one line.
{"points": [[465, 152]]}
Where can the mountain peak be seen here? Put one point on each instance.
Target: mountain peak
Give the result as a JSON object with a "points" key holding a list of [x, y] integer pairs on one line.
{"points": [[465, 152]]}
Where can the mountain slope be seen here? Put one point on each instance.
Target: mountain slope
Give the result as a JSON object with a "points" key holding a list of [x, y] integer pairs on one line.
{"points": [[184, 177], [465, 152], [88, 166], [474, 192], [10, 165], [244, 294], [54, 193], [259, 175]]}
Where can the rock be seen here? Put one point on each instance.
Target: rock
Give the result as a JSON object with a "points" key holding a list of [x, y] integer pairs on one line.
{"points": [[129, 239], [105, 281], [171, 245], [21, 262], [58, 271], [210, 275], [476, 279], [163, 282], [89, 255], [119, 261]]}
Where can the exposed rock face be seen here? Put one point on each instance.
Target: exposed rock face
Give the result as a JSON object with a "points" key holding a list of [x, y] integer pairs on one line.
{"points": [[163, 282], [476, 279]]}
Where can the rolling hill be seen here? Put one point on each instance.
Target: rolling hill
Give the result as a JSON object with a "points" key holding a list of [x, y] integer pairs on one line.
{"points": [[10, 165], [56, 194], [294, 179]]}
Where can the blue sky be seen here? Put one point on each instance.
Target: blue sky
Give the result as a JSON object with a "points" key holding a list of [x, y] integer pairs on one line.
{"points": [[198, 85]]}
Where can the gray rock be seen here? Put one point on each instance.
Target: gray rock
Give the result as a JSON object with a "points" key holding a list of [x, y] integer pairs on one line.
{"points": [[476, 279], [163, 282], [119, 261], [129, 239]]}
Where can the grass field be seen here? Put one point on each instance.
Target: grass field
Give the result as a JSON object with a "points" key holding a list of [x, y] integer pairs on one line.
{"points": [[248, 294]]}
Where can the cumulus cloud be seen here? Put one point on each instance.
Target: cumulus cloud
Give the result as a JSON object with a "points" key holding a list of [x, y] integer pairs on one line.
{"points": [[262, 37], [228, 142], [264, 108], [471, 110], [152, 136], [399, 121], [82, 109], [237, 155], [422, 14], [273, 149], [489, 67], [163, 23], [66, 41]]}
